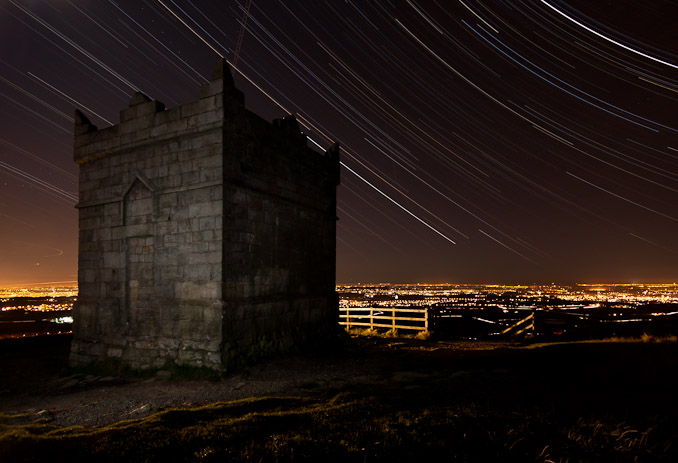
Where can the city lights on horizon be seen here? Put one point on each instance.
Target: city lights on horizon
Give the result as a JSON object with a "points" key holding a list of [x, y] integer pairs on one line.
{"points": [[31, 311], [424, 294], [55, 289], [58, 298], [71, 286]]}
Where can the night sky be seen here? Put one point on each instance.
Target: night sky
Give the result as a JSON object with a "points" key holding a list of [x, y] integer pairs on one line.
{"points": [[484, 142]]}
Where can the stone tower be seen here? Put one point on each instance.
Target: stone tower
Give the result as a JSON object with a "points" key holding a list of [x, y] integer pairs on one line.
{"points": [[206, 234]]}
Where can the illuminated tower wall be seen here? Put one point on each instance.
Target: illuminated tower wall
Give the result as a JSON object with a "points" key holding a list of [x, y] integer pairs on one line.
{"points": [[206, 235]]}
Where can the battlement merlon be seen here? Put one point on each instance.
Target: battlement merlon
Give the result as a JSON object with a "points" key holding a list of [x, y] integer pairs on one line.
{"points": [[146, 119], [82, 124]]}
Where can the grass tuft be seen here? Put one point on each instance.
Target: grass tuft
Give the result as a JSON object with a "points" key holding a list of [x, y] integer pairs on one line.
{"points": [[389, 334]]}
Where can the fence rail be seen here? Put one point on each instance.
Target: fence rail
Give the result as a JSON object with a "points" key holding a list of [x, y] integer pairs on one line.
{"points": [[374, 318], [521, 326]]}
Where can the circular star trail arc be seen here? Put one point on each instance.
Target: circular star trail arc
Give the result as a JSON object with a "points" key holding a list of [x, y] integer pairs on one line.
{"points": [[539, 136]]}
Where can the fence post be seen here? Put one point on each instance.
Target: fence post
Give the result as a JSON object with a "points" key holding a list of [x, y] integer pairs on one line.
{"points": [[348, 318], [425, 318], [393, 319], [371, 318]]}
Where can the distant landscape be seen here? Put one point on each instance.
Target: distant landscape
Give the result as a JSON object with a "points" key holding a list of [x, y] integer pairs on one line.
{"points": [[463, 392], [456, 311], [35, 311]]}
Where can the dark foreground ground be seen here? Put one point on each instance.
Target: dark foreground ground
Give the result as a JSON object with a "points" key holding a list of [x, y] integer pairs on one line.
{"points": [[377, 399]]}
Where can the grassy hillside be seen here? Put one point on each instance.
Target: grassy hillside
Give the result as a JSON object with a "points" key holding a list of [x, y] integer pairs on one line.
{"points": [[561, 403]]}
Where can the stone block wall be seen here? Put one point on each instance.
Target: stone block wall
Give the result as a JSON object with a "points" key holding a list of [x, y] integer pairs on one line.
{"points": [[279, 272], [207, 235]]}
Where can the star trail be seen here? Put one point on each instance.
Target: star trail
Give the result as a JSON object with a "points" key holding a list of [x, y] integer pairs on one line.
{"points": [[482, 142]]}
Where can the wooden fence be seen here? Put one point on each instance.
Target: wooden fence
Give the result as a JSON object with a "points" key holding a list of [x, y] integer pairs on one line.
{"points": [[417, 319], [385, 318], [521, 326]]}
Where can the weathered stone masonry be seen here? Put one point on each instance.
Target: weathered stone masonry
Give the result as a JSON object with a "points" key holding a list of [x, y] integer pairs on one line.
{"points": [[207, 235]]}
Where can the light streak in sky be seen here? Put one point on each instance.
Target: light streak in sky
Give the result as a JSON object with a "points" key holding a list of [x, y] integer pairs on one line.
{"points": [[43, 185], [462, 76], [552, 135], [35, 113], [354, 233], [317, 90], [412, 167], [472, 117], [426, 18], [194, 22], [353, 248], [622, 156], [191, 29], [479, 17], [398, 190], [75, 46], [343, 164], [604, 37], [38, 159], [39, 100], [417, 176], [72, 100], [202, 79], [207, 19], [633, 173], [388, 217], [16, 220], [623, 198], [506, 246], [654, 80], [573, 89], [369, 226], [396, 203], [99, 23], [653, 243], [392, 185], [55, 252], [352, 171], [315, 77], [76, 59]]}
